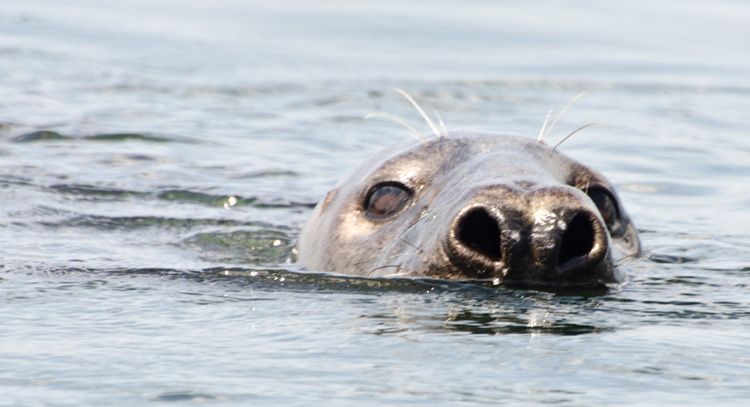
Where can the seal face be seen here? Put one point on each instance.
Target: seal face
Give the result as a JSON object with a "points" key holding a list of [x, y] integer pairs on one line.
{"points": [[472, 206]]}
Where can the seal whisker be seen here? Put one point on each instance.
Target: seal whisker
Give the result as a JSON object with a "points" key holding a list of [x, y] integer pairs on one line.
{"points": [[386, 255], [400, 238], [574, 132], [562, 112], [397, 266], [397, 255], [419, 110], [419, 250], [632, 255], [394, 119], [444, 130], [540, 139], [393, 256], [396, 274]]}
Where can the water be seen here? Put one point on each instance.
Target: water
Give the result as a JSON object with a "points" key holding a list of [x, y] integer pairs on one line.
{"points": [[157, 161]]}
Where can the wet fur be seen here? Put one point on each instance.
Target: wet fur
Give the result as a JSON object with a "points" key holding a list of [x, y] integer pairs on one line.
{"points": [[446, 173]]}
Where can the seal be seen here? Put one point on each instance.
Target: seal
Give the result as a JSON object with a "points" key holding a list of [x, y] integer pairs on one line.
{"points": [[469, 206]]}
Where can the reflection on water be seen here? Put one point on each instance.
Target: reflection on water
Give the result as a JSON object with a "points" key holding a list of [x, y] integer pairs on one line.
{"points": [[47, 135], [513, 323]]}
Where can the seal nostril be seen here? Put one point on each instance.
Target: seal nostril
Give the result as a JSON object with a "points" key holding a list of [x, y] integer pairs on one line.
{"points": [[578, 240], [480, 232]]}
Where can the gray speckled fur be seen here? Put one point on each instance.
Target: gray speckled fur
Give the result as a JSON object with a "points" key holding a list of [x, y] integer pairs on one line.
{"points": [[519, 177]]}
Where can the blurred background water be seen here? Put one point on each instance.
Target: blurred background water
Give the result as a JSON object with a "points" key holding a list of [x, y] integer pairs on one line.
{"points": [[158, 159]]}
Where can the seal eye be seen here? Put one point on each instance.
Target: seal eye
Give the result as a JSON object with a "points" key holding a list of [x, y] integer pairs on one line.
{"points": [[386, 199], [606, 204]]}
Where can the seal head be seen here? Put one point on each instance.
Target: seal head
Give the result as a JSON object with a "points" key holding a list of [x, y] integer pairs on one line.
{"points": [[472, 206]]}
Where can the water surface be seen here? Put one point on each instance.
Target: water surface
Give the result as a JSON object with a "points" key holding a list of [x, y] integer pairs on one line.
{"points": [[157, 162]]}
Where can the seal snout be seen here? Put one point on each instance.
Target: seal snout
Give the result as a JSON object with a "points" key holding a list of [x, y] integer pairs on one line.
{"points": [[479, 232], [548, 245], [478, 241], [582, 245]]}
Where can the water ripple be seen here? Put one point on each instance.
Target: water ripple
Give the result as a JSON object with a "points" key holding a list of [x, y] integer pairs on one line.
{"points": [[49, 135]]}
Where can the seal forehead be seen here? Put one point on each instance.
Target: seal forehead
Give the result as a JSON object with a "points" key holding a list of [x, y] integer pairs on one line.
{"points": [[443, 154], [431, 154]]}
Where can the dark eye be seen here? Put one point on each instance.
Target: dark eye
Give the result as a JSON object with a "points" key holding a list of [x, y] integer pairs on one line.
{"points": [[385, 199], [606, 204]]}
